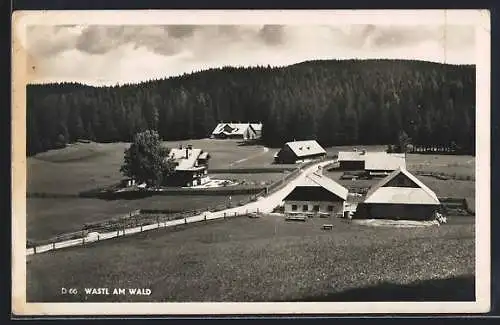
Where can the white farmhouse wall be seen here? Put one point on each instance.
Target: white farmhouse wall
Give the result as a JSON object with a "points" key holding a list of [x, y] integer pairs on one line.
{"points": [[338, 207]]}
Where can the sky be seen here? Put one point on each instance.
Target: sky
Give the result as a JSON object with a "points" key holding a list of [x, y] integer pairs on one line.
{"points": [[117, 54]]}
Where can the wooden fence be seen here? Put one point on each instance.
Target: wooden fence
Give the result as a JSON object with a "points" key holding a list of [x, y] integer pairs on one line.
{"points": [[90, 236], [144, 219]]}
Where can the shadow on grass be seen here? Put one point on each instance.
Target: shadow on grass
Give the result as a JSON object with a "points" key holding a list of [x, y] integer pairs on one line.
{"points": [[451, 289]]}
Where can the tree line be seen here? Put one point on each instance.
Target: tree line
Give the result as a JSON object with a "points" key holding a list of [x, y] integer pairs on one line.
{"points": [[348, 102]]}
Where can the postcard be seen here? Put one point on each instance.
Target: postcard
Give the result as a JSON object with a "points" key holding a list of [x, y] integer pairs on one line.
{"points": [[246, 162]]}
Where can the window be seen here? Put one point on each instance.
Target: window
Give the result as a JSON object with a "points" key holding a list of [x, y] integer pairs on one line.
{"points": [[294, 207], [330, 208], [316, 208], [304, 207]]}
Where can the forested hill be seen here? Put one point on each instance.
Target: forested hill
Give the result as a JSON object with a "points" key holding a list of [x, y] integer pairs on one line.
{"points": [[336, 102]]}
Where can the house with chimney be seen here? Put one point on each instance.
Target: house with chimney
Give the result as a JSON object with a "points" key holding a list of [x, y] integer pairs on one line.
{"points": [[240, 131], [191, 166]]}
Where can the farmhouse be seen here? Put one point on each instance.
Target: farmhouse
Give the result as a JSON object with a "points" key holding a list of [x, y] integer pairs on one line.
{"points": [[352, 160], [400, 195], [382, 163], [317, 194], [242, 131], [191, 166], [297, 151]]}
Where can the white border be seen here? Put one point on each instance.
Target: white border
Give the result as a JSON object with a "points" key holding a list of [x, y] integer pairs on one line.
{"points": [[479, 18]]}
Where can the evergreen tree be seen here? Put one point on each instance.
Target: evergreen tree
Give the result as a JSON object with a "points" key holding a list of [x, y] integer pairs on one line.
{"points": [[343, 102]]}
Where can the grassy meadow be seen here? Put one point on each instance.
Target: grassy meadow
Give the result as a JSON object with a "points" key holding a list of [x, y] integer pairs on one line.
{"points": [[85, 166], [267, 259], [243, 259], [47, 217]]}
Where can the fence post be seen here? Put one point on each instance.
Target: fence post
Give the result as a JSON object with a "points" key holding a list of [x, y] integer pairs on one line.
{"points": [[224, 215], [185, 221], [235, 213], [53, 245], [98, 235], [34, 249]]}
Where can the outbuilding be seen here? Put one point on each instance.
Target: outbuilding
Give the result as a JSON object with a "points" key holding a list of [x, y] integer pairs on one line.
{"points": [[297, 151], [351, 160], [382, 163], [400, 195], [316, 194]]}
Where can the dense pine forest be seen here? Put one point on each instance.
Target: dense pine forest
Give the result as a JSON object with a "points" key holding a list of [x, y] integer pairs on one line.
{"points": [[336, 102]]}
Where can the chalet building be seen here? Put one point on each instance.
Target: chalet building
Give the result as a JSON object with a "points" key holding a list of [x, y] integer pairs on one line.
{"points": [[400, 195], [382, 163], [241, 131], [298, 151], [352, 160], [316, 194], [191, 167]]}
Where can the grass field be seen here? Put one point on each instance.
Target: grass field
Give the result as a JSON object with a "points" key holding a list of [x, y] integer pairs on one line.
{"points": [[50, 217], [84, 166], [267, 259], [87, 166]]}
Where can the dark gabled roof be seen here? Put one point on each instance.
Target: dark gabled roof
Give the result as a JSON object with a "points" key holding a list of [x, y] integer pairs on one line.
{"points": [[316, 181]]}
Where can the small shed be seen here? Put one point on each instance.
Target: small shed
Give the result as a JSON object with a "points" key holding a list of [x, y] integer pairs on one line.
{"points": [[352, 160], [382, 163]]}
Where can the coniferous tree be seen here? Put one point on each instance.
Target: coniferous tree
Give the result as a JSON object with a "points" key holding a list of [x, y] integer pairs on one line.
{"points": [[337, 102]]}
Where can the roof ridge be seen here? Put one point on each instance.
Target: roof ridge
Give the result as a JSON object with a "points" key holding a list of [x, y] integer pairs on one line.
{"points": [[322, 178], [412, 177]]}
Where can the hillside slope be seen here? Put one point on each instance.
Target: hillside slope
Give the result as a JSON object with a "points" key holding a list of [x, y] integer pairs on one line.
{"points": [[336, 102]]}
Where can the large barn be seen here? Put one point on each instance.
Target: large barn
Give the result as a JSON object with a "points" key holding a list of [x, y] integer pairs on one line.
{"points": [[316, 194], [191, 167], [297, 151], [400, 195], [241, 131]]}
